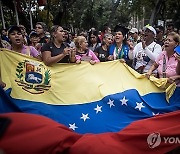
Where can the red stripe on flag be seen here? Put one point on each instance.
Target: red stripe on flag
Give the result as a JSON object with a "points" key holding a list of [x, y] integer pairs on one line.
{"points": [[30, 133]]}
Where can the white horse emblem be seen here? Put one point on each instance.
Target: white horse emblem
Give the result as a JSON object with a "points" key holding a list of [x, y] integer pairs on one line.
{"points": [[32, 77]]}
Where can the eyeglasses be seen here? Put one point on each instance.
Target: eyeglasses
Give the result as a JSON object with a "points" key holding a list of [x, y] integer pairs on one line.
{"points": [[39, 28], [93, 37]]}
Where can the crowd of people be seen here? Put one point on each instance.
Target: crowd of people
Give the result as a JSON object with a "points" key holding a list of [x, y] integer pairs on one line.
{"points": [[152, 51]]}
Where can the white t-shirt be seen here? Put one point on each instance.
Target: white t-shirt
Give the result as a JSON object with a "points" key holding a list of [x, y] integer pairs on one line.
{"points": [[146, 57]]}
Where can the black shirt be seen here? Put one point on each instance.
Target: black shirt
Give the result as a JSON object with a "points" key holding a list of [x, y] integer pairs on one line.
{"points": [[55, 51], [43, 39], [102, 54]]}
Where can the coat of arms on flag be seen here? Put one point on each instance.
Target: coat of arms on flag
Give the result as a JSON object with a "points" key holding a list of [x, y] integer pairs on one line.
{"points": [[33, 77]]}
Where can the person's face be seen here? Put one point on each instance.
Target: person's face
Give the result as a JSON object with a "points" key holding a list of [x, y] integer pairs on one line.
{"points": [[65, 35], [108, 30], [169, 29], [34, 39], [148, 35], [4, 32], [23, 30], [70, 36], [170, 44], [108, 40], [59, 34], [159, 33], [39, 29], [118, 37], [84, 45], [16, 38], [93, 38]]}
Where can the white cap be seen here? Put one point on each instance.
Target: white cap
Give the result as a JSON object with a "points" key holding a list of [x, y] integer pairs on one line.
{"points": [[133, 30], [151, 29]]}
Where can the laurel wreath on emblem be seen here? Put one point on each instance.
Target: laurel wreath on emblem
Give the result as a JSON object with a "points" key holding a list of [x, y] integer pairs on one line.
{"points": [[29, 80]]}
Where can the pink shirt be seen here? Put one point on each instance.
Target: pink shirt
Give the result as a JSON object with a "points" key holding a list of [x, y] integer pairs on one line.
{"points": [[28, 50], [90, 56], [170, 66]]}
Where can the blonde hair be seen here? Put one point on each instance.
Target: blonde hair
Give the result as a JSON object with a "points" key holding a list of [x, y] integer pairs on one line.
{"points": [[79, 40], [175, 37]]}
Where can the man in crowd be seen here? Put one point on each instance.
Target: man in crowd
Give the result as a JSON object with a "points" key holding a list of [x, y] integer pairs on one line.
{"points": [[146, 51], [160, 34], [134, 35]]}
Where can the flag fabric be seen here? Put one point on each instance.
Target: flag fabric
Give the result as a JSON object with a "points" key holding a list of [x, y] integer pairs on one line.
{"points": [[30, 133], [102, 98]]}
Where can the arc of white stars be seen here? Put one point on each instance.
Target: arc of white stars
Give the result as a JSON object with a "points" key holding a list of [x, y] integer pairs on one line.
{"points": [[84, 116], [98, 109], [139, 106], [124, 101], [72, 126], [111, 103]]}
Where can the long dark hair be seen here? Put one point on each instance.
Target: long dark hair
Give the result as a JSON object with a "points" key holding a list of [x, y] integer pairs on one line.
{"points": [[94, 32]]}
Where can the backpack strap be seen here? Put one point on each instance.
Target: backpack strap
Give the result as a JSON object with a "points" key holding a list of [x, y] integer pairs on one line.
{"points": [[154, 47], [164, 67]]}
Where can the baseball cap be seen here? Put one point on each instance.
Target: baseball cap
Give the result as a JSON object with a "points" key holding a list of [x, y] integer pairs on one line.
{"points": [[33, 33], [150, 28], [14, 28], [133, 30]]}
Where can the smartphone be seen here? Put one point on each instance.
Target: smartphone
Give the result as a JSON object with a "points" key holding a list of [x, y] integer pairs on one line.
{"points": [[4, 124], [177, 50]]}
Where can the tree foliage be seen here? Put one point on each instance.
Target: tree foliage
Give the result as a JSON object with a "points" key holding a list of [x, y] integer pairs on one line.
{"points": [[93, 13]]}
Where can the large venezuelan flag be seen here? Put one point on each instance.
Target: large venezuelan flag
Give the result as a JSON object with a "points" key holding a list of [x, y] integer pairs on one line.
{"points": [[101, 98]]}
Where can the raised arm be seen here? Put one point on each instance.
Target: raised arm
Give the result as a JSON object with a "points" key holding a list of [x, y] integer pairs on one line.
{"points": [[153, 55]]}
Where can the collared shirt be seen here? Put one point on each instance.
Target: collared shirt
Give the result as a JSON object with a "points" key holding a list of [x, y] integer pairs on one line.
{"points": [[170, 66]]}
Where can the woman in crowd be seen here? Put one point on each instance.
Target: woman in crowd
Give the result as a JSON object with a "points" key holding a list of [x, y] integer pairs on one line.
{"points": [[167, 62], [56, 51], [17, 43], [93, 40], [102, 51], [120, 49], [83, 53]]}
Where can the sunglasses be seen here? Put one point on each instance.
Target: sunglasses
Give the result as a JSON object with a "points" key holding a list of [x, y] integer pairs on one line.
{"points": [[39, 28]]}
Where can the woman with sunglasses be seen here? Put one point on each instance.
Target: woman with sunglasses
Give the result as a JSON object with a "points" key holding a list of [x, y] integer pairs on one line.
{"points": [[56, 51]]}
